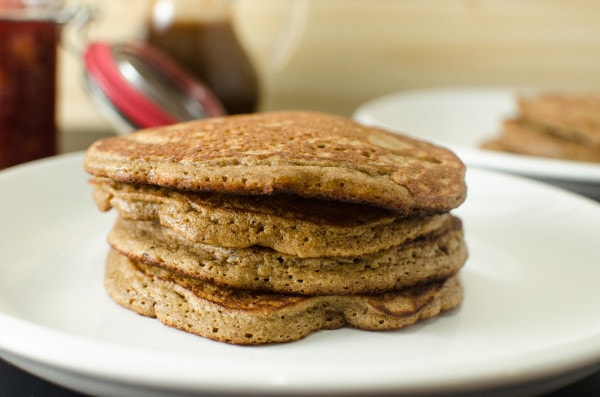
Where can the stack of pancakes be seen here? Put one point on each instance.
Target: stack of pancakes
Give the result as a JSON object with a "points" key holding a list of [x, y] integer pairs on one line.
{"points": [[262, 228], [561, 126]]}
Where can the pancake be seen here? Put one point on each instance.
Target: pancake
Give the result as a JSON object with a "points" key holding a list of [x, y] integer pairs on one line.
{"points": [[575, 117], [308, 154], [288, 224], [263, 228], [524, 137], [245, 317], [437, 255]]}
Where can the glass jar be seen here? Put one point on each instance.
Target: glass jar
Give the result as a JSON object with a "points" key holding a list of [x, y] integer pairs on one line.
{"points": [[29, 35], [199, 35]]}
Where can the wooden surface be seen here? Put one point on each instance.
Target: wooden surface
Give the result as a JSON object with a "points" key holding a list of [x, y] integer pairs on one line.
{"points": [[348, 51]]}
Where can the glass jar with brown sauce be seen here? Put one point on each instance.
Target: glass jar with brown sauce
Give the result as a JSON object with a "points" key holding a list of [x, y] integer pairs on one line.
{"points": [[200, 36]]}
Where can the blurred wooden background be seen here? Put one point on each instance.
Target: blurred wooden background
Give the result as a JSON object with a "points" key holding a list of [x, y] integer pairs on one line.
{"points": [[346, 52]]}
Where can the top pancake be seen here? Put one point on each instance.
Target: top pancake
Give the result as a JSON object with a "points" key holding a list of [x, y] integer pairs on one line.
{"points": [[305, 153]]}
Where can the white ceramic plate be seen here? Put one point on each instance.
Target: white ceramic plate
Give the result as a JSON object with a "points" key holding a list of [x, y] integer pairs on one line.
{"points": [[462, 119], [530, 318]]}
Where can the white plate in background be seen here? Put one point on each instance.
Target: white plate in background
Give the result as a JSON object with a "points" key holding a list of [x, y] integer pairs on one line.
{"points": [[529, 321], [461, 119]]}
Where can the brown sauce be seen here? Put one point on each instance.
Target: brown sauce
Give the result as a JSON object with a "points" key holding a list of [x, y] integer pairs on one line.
{"points": [[27, 90], [212, 52]]}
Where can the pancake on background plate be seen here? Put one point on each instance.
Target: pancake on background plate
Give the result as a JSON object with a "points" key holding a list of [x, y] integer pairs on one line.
{"points": [[559, 126]]}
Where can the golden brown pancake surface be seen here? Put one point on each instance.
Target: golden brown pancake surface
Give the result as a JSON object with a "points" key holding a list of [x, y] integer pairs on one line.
{"points": [[247, 317], [437, 255], [289, 224], [305, 153]]}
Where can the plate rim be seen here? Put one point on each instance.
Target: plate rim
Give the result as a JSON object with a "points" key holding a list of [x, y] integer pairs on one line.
{"points": [[577, 366]]}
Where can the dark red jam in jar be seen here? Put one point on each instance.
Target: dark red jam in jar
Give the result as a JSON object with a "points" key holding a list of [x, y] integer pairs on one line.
{"points": [[27, 89]]}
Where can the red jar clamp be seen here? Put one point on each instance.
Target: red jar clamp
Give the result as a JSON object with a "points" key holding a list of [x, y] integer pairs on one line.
{"points": [[138, 86]]}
